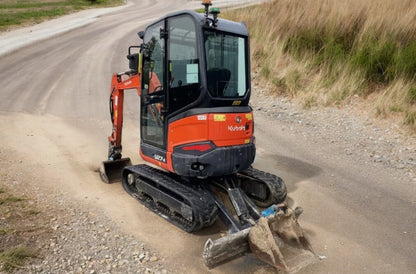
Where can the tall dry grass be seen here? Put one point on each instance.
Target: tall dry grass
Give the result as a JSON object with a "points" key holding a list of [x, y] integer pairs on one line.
{"points": [[327, 51]]}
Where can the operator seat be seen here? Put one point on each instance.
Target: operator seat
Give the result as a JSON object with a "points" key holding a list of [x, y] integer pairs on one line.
{"points": [[218, 79]]}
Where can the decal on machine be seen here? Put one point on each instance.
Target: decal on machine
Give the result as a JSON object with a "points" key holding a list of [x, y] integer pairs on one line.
{"points": [[236, 128], [202, 117], [159, 158], [219, 118]]}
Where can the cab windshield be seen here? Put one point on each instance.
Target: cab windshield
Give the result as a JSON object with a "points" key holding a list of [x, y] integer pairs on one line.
{"points": [[226, 64]]}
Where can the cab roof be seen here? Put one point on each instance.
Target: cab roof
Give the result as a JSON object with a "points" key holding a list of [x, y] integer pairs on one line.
{"points": [[222, 24]]}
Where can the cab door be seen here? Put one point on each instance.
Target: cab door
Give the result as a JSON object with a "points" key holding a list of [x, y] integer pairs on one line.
{"points": [[183, 63], [170, 80], [153, 87]]}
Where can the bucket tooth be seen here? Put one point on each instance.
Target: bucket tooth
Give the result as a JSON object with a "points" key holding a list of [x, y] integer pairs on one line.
{"points": [[111, 170]]}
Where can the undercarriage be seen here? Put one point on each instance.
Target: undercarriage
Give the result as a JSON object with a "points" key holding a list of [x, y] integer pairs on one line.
{"points": [[191, 204], [238, 201]]}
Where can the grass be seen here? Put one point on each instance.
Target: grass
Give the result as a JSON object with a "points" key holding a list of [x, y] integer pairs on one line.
{"points": [[410, 118], [411, 95], [338, 49], [13, 232], [15, 258], [14, 13], [32, 212], [10, 199]]}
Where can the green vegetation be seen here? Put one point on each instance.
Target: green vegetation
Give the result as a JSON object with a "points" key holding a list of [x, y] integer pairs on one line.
{"points": [[32, 212], [23, 12], [14, 258], [327, 52], [10, 199], [16, 232], [411, 95], [410, 118]]}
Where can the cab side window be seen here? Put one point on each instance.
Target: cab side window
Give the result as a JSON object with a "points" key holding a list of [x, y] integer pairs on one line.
{"points": [[152, 97], [183, 62]]}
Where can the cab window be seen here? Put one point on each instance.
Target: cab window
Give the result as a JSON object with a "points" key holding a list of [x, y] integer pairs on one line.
{"points": [[226, 64], [152, 95], [183, 63]]}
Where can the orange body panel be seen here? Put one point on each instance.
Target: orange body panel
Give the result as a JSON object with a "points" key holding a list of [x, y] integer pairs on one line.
{"points": [[167, 165], [223, 129], [236, 129]]}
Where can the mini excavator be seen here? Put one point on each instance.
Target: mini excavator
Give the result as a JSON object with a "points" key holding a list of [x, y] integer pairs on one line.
{"points": [[192, 73]]}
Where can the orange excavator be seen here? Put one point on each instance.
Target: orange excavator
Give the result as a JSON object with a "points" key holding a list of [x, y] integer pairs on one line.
{"points": [[192, 73]]}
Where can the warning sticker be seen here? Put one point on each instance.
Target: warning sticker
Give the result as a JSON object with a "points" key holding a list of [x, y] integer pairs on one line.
{"points": [[219, 117]]}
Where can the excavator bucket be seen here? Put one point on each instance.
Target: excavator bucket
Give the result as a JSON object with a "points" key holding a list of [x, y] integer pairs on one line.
{"points": [[279, 241], [276, 239], [263, 245], [110, 171]]}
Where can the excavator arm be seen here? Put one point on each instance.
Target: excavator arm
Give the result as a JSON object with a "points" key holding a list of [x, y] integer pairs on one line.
{"points": [[111, 169], [118, 86]]}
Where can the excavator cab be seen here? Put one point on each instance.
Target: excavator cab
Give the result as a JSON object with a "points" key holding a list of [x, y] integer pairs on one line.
{"points": [[195, 88], [193, 78]]}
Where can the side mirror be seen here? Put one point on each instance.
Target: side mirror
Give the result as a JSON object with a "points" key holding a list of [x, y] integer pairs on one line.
{"points": [[141, 34], [134, 58], [133, 61]]}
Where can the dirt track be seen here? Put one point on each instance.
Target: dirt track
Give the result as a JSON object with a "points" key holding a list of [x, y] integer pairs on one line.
{"points": [[359, 208]]}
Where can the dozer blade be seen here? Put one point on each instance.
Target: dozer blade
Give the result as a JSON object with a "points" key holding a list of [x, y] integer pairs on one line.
{"points": [[276, 239], [110, 171], [226, 248]]}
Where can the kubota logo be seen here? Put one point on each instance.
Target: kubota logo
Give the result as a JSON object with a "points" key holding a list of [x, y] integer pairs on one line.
{"points": [[236, 128]]}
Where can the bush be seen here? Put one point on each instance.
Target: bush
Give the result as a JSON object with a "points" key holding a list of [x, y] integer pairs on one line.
{"points": [[406, 61], [376, 59]]}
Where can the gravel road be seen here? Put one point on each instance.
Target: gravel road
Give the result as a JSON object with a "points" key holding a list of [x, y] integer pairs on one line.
{"points": [[66, 236], [75, 239]]}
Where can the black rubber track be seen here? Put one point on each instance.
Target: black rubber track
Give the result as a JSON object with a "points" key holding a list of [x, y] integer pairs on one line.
{"points": [[276, 187], [204, 210]]}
